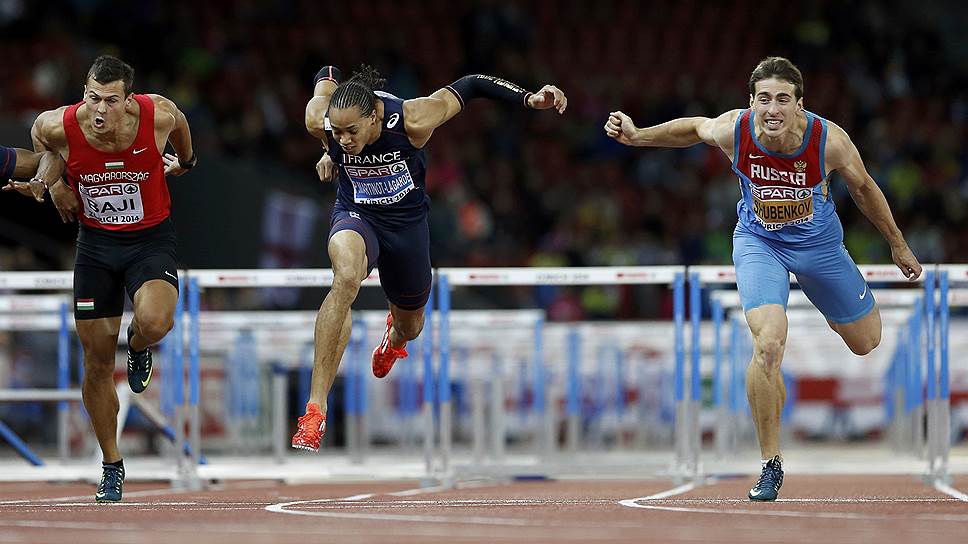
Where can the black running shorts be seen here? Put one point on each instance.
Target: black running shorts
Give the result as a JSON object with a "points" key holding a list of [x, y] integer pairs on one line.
{"points": [[109, 263]]}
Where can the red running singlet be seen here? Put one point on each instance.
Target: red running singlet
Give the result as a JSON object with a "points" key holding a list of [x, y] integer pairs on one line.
{"points": [[123, 191]]}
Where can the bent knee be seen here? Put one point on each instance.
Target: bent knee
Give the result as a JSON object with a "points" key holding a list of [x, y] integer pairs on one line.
{"points": [[153, 328], [863, 346], [346, 283], [409, 329]]}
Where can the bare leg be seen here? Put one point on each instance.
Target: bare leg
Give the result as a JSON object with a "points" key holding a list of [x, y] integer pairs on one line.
{"points": [[407, 325], [99, 338], [347, 251], [863, 335], [764, 382], [154, 313]]}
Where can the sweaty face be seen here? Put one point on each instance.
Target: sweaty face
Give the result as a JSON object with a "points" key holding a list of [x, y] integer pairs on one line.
{"points": [[775, 106], [105, 104], [352, 128]]}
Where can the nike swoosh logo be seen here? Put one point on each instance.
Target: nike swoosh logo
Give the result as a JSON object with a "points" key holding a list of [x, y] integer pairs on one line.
{"points": [[144, 383], [136, 151], [170, 274], [755, 492], [756, 156], [862, 295]]}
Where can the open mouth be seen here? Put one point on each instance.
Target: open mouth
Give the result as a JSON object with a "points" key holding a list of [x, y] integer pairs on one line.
{"points": [[774, 123], [98, 122]]}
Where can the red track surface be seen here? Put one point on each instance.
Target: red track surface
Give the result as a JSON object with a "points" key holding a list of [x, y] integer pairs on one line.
{"points": [[883, 509]]}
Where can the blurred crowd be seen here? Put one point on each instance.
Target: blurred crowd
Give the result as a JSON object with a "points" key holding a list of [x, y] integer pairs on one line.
{"points": [[516, 188]]}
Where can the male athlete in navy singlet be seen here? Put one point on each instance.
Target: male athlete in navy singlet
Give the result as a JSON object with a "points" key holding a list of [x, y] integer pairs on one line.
{"points": [[374, 150], [784, 156]]}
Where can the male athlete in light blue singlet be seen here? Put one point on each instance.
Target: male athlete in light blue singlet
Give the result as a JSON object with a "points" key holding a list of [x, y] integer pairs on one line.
{"points": [[374, 150], [783, 156]]}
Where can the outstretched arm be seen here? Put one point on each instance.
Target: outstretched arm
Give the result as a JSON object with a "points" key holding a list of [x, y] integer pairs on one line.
{"points": [[843, 157], [424, 115], [42, 168], [683, 132]]}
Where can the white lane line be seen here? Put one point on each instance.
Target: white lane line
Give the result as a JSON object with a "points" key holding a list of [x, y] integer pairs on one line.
{"points": [[358, 497], [282, 508], [418, 491], [90, 496], [634, 503], [147, 492], [667, 505], [822, 500], [948, 490]]}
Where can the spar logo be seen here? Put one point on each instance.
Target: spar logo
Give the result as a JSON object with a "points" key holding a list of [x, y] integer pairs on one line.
{"points": [[779, 193], [376, 171], [118, 189]]}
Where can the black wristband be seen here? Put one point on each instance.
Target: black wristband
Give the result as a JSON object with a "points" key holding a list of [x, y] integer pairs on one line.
{"points": [[482, 86], [331, 73], [190, 163]]}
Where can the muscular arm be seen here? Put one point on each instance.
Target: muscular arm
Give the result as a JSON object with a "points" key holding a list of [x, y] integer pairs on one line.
{"points": [[424, 115], [843, 157], [47, 134], [50, 167], [42, 168], [171, 119], [316, 110], [682, 132]]}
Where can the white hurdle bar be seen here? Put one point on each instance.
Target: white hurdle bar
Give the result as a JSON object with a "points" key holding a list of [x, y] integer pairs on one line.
{"points": [[686, 462], [938, 395], [296, 277], [40, 312]]}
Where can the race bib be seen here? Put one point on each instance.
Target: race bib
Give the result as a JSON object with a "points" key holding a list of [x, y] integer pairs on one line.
{"points": [[383, 184], [777, 207], [113, 203]]}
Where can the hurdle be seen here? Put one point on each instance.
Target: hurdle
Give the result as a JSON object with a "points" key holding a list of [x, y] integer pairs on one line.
{"points": [[40, 312], [931, 304], [686, 463]]}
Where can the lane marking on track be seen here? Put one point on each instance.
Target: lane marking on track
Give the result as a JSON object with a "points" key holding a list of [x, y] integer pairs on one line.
{"points": [[312, 508], [662, 502], [948, 490], [634, 503], [90, 496], [145, 493]]}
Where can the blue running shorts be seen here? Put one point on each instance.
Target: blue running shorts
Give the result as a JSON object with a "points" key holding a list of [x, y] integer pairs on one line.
{"points": [[826, 273]]}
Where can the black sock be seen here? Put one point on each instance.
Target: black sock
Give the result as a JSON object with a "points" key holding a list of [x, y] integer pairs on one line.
{"points": [[117, 464]]}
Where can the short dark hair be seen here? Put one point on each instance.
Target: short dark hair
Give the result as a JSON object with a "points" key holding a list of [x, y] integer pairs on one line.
{"points": [[358, 90], [107, 69], [779, 68]]}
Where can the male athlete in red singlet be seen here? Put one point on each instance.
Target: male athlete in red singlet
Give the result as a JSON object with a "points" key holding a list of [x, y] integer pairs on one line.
{"points": [[114, 146], [783, 156]]}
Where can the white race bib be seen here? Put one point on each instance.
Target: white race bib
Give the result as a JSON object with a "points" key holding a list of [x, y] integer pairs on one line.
{"points": [[113, 203], [386, 184]]}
